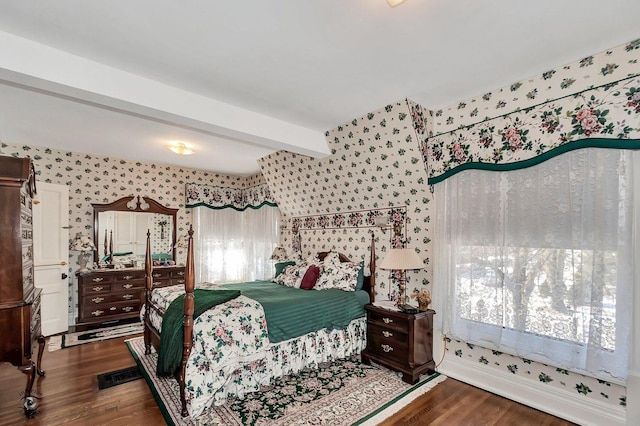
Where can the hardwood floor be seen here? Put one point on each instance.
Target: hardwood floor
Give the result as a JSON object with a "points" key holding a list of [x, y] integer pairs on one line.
{"points": [[70, 396]]}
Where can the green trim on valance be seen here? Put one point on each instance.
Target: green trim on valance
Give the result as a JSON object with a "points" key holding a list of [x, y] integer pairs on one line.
{"points": [[230, 206], [633, 144]]}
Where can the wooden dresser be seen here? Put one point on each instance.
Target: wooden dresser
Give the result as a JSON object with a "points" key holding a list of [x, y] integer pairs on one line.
{"points": [[106, 295], [19, 298], [399, 341]]}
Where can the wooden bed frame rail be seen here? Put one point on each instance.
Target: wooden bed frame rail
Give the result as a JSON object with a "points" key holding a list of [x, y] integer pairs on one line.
{"points": [[151, 336]]}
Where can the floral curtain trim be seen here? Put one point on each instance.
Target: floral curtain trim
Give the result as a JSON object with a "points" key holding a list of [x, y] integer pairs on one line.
{"points": [[218, 197], [605, 117]]}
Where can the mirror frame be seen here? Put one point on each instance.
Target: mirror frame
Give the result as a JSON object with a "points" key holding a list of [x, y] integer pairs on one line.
{"points": [[135, 203]]}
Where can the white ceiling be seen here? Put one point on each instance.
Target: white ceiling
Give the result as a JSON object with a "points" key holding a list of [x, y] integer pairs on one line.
{"points": [[240, 79]]}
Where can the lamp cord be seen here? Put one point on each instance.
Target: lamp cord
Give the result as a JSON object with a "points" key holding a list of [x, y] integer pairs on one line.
{"points": [[444, 350]]}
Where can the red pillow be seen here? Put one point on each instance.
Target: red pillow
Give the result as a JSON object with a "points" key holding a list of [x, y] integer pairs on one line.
{"points": [[310, 278]]}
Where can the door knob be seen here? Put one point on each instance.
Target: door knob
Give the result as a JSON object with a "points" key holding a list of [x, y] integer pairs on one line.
{"points": [[64, 276]]}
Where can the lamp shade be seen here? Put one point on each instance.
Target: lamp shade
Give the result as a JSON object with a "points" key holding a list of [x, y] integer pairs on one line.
{"points": [[279, 253], [82, 243], [402, 259]]}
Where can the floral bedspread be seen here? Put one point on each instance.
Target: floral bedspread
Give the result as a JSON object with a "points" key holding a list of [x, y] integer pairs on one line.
{"points": [[226, 337], [232, 354]]}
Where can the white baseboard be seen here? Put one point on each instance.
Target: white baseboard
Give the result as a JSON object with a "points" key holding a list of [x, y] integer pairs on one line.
{"points": [[633, 396], [557, 402]]}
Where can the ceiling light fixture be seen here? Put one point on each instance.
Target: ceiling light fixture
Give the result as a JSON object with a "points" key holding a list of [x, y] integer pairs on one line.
{"points": [[181, 148], [394, 3]]}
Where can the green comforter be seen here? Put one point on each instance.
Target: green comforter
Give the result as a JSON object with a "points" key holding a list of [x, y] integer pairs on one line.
{"points": [[172, 334], [292, 312]]}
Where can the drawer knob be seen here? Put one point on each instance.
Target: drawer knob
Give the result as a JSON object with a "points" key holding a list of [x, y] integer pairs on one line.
{"points": [[181, 273], [97, 279], [113, 308], [97, 288], [127, 286], [157, 275], [97, 299], [127, 277], [157, 283], [127, 308], [387, 320], [386, 333], [97, 313], [128, 296], [387, 348], [180, 281]]}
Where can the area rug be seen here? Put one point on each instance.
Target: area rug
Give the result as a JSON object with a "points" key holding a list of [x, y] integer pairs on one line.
{"points": [[95, 335], [343, 392]]}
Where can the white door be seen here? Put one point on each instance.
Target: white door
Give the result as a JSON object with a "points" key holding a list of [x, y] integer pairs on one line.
{"points": [[51, 255]]}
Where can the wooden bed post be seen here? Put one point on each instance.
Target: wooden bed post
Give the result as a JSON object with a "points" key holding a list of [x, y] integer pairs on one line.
{"points": [[148, 277], [189, 306], [372, 267]]}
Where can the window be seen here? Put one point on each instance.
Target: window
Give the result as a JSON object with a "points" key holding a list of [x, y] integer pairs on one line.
{"points": [[235, 246], [538, 262]]}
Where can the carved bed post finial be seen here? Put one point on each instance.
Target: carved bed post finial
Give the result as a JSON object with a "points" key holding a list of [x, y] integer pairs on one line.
{"points": [[148, 277], [189, 306]]}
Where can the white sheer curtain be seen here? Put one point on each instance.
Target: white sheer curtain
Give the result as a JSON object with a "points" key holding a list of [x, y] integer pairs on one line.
{"points": [[538, 262], [234, 246]]}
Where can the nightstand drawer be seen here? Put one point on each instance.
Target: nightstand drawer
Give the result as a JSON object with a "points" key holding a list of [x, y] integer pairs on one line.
{"points": [[388, 319], [387, 335]]}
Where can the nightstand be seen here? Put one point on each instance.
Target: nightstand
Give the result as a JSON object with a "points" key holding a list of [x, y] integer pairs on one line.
{"points": [[399, 341]]}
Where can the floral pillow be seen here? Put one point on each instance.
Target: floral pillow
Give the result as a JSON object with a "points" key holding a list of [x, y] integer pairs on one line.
{"points": [[291, 276], [343, 276]]}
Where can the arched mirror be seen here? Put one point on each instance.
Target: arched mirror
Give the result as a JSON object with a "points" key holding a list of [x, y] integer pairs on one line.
{"points": [[120, 230]]}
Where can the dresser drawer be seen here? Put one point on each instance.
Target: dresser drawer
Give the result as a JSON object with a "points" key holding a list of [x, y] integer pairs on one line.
{"points": [[96, 279], [129, 276], [102, 300], [106, 310], [177, 274], [389, 320], [95, 288], [131, 285], [176, 281], [160, 274]]}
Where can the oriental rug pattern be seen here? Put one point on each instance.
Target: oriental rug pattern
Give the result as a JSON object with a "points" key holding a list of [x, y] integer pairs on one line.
{"points": [[342, 392]]}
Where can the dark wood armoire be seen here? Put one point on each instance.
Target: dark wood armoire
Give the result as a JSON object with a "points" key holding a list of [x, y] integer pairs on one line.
{"points": [[19, 298]]}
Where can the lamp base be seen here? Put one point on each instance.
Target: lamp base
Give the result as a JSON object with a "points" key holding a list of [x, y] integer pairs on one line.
{"points": [[83, 260]]}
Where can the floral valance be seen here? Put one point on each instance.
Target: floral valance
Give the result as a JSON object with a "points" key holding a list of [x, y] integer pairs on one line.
{"points": [[604, 117], [217, 197]]}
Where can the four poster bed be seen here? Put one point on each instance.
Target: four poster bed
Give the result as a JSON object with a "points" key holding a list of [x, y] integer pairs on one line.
{"points": [[247, 334]]}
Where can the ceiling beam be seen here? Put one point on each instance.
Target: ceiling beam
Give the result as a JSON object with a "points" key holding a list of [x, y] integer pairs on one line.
{"points": [[34, 66]]}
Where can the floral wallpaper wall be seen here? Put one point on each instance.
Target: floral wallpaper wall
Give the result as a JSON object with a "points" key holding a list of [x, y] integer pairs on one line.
{"points": [[584, 386], [595, 97], [96, 179], [375, 167]]}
